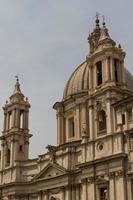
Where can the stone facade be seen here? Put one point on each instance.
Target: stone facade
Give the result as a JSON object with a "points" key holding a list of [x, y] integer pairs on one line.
{"points": [[93, 159]]}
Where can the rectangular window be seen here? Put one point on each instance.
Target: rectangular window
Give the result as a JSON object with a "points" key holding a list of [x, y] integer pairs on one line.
{"points": [[9, 120], [99, 73], [130, 115], [8, 157], [116, 69], [123, 119], [71, 127], [131, 188], [131, 142], [20, 148], [21, 119]]}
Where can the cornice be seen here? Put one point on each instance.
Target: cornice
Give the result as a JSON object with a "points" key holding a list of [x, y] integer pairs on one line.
{"points": [[101, 160]]}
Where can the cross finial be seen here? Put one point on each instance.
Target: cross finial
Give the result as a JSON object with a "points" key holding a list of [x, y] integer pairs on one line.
{"points": [[17, 78], [97, 15], [103, 20], [17, 85], [97, 20]]}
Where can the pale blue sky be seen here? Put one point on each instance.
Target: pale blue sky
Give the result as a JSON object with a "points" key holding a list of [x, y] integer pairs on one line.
{"points": [[43, 41]]}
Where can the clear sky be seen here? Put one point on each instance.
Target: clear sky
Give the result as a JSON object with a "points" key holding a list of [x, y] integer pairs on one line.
{"points": [[43, 41]]}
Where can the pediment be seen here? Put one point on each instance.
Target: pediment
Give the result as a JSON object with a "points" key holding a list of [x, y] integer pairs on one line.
{"points": [[50, 171]]}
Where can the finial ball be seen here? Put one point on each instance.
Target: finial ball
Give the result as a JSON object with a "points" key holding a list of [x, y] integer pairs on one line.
{"points": [[17, 78]]}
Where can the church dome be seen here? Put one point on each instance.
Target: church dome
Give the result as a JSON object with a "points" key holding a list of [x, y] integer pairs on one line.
{"points": [[79, 81]]}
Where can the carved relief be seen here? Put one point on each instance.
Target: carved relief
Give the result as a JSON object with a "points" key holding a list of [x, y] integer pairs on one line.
{"points": [[100, 105], [119, 173], [100, 146]]}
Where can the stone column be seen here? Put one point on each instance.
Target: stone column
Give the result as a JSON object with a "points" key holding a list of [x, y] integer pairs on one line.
{"points": [[91, 120], [40, 195], [68, 193], [24, 120], [67, 129], [78, 127], [94, 76], [27, 119], [12, 152], [15, 113], [83, 152], [60, 127], [83, 119], [90, 78], [5, 155], [84, 189], [78, 192], [123, 72], [57, 120], [16, 148], [120, 186], [45, 195], [129, 189], [7, 121], [109, 121], [112, 192], [73, 192], [112, 69], [104, 69], [13, 119], [2, 155], [91, 189], [26, 148], [107, 68], [28, 197], [5, 117], [63, 193], [17, 118], [119, 72]]}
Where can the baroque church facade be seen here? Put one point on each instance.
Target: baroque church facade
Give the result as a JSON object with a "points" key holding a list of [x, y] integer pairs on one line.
{"points": [[93, 158]]}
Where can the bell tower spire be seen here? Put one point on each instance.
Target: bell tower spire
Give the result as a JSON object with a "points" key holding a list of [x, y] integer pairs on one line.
{"points": [[106, 60], [15, 135], [95, 35], [17, 86], [97, 21]]}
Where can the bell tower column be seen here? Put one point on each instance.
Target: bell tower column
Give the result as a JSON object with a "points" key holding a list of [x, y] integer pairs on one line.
{"points": [[15, 135], [60, 123]]}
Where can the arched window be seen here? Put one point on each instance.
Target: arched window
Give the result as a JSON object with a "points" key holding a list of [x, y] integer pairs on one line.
{"points": [[116, 69], [8, 157], [103, 193], [52, 198], [102, 121], [21, 118], [9, 120], [99, 73]]}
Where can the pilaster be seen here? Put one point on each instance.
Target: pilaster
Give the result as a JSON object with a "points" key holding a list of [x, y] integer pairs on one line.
{"points": [[91, 120], [112, 69]]}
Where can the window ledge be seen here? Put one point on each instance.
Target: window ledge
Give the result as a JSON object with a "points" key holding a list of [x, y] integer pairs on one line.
{"points": [[70, 139], [130, 121], [103, 132]]}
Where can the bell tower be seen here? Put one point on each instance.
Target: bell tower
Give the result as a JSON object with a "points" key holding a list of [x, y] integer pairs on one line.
{"points": [[105, 60], [15, 135]]}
